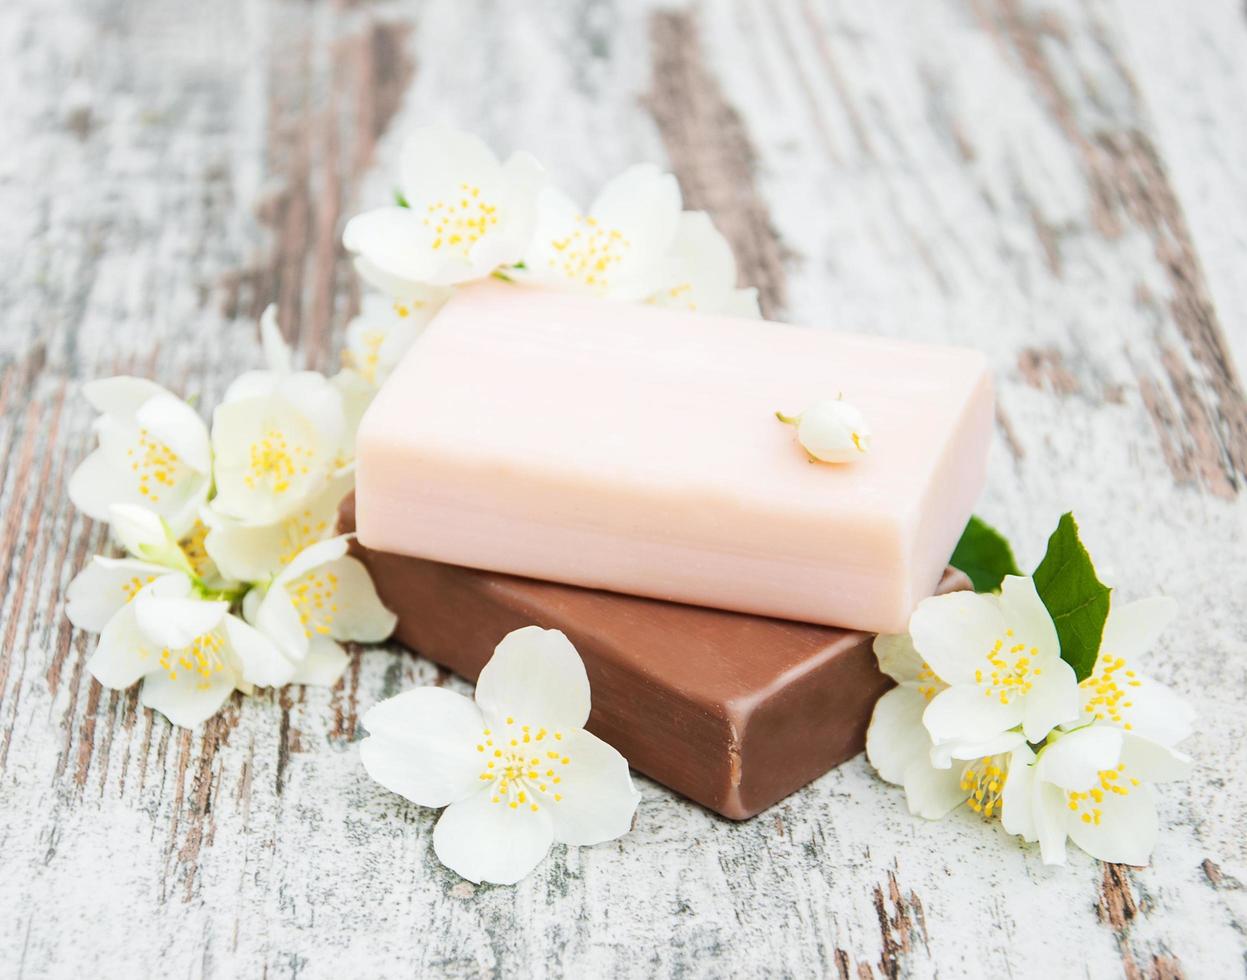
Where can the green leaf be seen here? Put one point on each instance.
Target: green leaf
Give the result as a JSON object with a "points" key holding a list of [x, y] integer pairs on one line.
{"points": [[1076, 599], [984, 555], [399, 199]]}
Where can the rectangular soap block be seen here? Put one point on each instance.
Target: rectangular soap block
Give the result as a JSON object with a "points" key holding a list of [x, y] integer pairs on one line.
{"points": [[731, 710], [634, 449]]}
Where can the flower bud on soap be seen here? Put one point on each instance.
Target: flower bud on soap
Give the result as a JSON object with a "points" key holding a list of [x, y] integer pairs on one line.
{"points": [[834, 431]]}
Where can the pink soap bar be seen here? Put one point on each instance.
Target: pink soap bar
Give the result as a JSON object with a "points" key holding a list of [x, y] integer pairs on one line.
{"points": [[634, 449]]}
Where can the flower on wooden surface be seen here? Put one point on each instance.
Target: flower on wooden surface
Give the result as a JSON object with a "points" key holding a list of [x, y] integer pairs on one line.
{"points": [[190, 653], [515, 769], [1094, 786], [462, 214], [831, 431], [153, 452], [989, 706], [900, 748], [699, 272], [287, 494], [322, 596], [170, 612], [618, 248], [378, 337], [1001, 659], [276, 440], [1093, 782]]}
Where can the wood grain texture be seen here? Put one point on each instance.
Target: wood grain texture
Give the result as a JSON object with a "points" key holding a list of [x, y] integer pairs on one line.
{"points": [[1054, 182]]}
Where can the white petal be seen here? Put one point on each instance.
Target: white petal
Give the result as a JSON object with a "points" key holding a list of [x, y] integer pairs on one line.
{"points": [[269, 495], [942, 755], [398, 288], [122, 656], [179, 427], [262, 662], [1028, 617], [1127, 831], [484, 841], [699, 272], [319, 401], [104, 587], [897, 657], [436, 159], [1052, 701], [954, 633], [423, 746], [896, 736], [1049, 809], [1074, 761], [1150, 708], [964, 713], [393, 240], [121, 396], [932, 793], [313, 557], [139, 530], [277, 618], [96, 485], [277, 353], [191, 698], [252, 384], [1151, 761], [537, 677], [168, 616], [360, 616], [324, 664], [1017, 797], [599, 799], [1131, 630]]}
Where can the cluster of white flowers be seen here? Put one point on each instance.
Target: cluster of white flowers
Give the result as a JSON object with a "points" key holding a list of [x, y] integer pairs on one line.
{"points": [[462, 215], [234, 577], [986, 713]]}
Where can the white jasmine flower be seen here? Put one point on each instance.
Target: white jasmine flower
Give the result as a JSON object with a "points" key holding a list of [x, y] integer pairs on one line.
{"points": [[699, 272], [1117, 693], [831, 431], [322, 596], [467, 214], [1094, 786], [515, 769], [379, 336], [276, 439], [900, 748], [189, 652], [104, 586], [1001, 658], [256, 552], [154, 452], [618, 248]]}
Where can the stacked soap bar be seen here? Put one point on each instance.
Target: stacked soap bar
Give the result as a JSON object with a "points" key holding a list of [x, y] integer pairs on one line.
{"points": [[733, 711], [636, 450]]}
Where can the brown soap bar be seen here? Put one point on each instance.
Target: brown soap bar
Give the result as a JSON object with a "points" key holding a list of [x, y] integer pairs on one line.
{"points": [[734, 711]]}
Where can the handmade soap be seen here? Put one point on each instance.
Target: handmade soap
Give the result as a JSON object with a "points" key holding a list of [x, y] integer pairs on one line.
{"points": [[733, 711], [634, 449]]}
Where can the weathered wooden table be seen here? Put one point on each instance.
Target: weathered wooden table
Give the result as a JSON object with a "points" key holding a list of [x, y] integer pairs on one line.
{"points": [[1059, 184]]}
